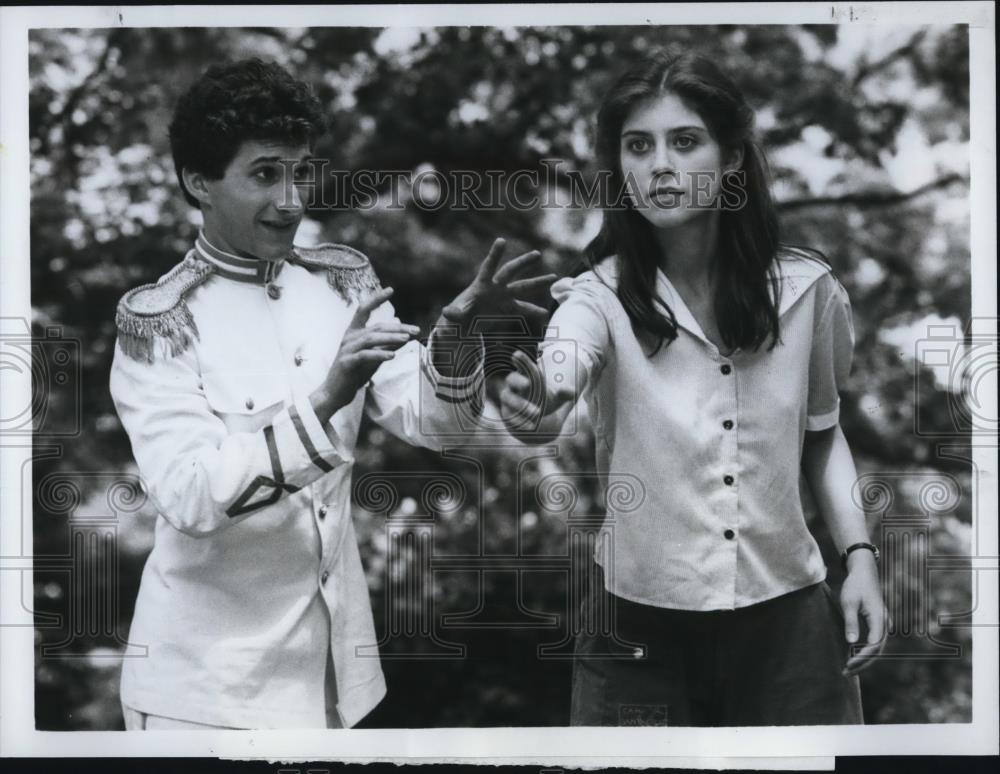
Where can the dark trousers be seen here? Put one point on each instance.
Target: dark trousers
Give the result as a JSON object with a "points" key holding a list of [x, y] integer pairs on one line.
{"points": [[775, 663]]}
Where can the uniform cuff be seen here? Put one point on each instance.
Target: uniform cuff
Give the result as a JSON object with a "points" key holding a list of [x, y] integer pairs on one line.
{"points": [[455, 389], [324, 452]]}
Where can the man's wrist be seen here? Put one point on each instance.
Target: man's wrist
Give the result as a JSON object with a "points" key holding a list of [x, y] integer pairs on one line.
{"points": [[454, 352], [325, 402]]}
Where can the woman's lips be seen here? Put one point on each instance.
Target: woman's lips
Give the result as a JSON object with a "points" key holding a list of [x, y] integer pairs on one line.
{"points": [[667, 197]]}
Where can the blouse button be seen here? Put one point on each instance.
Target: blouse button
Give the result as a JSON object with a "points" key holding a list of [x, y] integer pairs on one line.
{"points": [[322, 511], [726, 369], [728, 480], [249, 404], [729, 534], [298, 358], [728, 424], [273, 292], [325, 577]]}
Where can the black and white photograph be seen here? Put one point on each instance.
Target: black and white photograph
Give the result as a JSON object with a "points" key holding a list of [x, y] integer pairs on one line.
{"points": [[499, 382]]}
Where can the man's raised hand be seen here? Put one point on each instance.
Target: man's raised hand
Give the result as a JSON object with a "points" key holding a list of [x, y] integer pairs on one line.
{"points": [[496, 291], [362, 350]]}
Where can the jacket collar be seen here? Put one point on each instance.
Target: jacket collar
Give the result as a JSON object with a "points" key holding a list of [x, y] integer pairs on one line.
{"points": [[256, 271]]}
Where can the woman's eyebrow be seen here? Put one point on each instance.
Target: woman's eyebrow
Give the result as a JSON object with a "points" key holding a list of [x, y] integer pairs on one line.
{"points": [[673, 129]]}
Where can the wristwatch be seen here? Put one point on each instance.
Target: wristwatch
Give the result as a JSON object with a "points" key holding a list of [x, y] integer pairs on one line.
{"points": [[869, 546]]}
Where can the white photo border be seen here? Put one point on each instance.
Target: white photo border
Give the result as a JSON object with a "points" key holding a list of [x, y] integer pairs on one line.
{"points": [[806, 747]]}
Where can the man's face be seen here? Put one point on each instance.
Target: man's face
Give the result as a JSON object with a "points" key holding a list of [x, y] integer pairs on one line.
{"points": [[256, 207]]}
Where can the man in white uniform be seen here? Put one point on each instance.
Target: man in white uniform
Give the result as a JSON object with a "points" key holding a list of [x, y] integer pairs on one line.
{"points": [[241, 377]]}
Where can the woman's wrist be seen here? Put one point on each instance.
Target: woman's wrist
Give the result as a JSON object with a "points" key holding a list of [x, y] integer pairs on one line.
{"points": [[861, 559]]}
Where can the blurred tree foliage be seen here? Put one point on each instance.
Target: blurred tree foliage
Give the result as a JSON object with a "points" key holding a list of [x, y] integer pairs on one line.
{"points": [[868, 139]]}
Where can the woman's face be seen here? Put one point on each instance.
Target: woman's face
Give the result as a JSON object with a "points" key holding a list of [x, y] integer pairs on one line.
{"points": [[670, 162]]}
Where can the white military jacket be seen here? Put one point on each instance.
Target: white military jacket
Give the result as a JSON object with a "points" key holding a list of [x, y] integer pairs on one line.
{"points": [[255, 578]]}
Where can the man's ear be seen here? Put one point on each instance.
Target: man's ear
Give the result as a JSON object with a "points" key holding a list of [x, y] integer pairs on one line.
{"points": [[196, 184]]}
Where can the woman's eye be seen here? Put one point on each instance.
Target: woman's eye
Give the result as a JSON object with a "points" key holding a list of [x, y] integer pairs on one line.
{"points": [[684, 141], [638, 145]]}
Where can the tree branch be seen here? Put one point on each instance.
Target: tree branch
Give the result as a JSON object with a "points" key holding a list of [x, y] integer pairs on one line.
{"points": [[870, 68], [870, 199]]}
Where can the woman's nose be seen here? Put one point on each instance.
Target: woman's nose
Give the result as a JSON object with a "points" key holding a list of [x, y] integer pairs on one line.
{"points": [[663, 164]]}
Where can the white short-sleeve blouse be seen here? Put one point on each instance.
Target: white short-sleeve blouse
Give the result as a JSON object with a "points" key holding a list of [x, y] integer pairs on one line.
{"points": [[712, 442]]}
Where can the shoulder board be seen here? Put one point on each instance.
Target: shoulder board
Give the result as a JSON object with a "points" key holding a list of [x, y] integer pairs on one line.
{"points": [[348, 271], [158, 310]]}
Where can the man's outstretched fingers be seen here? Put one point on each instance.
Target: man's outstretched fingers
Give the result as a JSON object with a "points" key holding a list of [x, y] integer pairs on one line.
{"points": [[515, 265], [493, 258], [383, 340], [369, 305], [532, 283], [530, 309]]}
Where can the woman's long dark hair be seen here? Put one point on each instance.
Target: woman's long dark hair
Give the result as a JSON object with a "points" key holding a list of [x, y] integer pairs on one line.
{"points": [[745, 308]]}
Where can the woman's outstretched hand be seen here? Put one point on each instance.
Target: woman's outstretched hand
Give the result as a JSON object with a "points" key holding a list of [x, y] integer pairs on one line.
{"points": [[531, 410], [861, 596]]}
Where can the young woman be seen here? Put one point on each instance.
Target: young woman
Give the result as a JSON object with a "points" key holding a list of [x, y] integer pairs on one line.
{"points": [[710, 356]]}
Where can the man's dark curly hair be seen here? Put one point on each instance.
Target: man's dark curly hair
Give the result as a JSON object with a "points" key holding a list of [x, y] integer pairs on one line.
{"points": [[236, 102]]}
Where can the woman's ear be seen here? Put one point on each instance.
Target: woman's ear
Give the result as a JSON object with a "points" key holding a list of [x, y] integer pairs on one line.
{"points": [[197, 186], [735, 160]]}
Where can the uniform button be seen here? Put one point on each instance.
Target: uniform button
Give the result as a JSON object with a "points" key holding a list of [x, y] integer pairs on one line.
{"points": [[322, 511], [249, 404], [728, 480], [729, 534], [325, 577], [728, 424], [298, 358], [726, 369], [273, 291]]}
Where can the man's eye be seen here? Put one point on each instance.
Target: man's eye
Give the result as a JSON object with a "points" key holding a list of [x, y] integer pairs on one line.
{"points": [[265, 175]]}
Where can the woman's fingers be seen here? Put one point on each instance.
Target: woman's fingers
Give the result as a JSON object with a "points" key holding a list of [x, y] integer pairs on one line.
{"points": [[517, 410], [864, 658], [525, 365], [850, 607], [519, 383]]}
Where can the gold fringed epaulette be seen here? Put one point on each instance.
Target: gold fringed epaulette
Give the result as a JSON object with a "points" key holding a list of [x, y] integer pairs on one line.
{"points": [[348, 271], [158, 310]]}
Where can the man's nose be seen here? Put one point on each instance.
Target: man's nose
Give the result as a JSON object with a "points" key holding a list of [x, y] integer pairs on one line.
{"points": [[290, 199]]}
